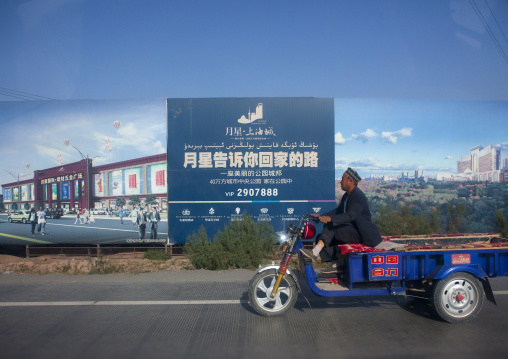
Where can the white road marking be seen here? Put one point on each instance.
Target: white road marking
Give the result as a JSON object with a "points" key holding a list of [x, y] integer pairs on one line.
{"points": [[130, 302], [144, 302]]}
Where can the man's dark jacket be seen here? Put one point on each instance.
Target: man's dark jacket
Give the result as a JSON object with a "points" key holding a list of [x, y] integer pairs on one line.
{"points": [[357, 214]]}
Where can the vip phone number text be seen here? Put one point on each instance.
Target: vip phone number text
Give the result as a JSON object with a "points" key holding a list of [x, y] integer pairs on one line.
{"points": [[255, 192]]}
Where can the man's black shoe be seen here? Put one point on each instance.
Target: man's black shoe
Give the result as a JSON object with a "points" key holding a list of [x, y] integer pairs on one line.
{"points": [[308, 254]]}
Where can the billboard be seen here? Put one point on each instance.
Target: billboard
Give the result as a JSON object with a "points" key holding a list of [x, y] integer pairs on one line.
{"points": [[157, 178], [133, 181], [99, 184], [15, 194], [54, 192], [7, 194], [65, 193], [270, 157], [117, 183], [24, 193]]}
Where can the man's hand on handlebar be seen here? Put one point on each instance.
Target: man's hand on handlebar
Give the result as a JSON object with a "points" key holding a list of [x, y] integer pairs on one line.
{"points": [[325, 219], [322, 219]]}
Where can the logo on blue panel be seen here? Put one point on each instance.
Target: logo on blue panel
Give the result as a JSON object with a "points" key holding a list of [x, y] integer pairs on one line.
{"points": [[252, 116]]}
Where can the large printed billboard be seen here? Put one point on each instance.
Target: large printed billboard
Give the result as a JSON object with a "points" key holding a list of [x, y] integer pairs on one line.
{"points": [[273, 158], [270, 157]]}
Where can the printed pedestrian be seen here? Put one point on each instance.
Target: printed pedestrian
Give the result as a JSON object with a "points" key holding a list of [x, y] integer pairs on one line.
{"points": [[141, 222], [155, 218], [41, 220], [33, 219], [78, 217]]}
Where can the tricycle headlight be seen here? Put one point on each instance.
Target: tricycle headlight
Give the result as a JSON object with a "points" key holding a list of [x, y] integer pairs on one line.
{"points": [[282, 237]]}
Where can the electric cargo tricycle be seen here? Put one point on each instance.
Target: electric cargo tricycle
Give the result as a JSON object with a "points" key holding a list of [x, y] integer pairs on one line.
{"points": [[453, 277]]}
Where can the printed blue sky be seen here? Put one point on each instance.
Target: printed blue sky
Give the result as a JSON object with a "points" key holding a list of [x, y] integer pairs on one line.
{"points": [[34, 132], [393, 136]]}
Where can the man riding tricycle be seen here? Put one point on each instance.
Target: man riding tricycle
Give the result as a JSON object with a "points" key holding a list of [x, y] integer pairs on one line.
{"points": [[454, 278]]}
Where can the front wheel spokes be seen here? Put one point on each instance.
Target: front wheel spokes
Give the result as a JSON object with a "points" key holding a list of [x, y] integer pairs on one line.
{"points": [[278, 301], [267, 290], [263, 301], [262, 286], [284, 290], [278, 304], [260, 293]]}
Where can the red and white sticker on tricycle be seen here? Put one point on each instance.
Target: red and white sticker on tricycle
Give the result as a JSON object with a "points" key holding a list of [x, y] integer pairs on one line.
{"points": [[384, 267]]}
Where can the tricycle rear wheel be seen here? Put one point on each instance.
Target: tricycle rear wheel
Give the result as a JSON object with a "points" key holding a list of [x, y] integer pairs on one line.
{"points": [[260, 289], [457, 298]]}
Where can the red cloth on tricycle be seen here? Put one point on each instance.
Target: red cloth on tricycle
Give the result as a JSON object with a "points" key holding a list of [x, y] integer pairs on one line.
{"points": [[358, 247]]}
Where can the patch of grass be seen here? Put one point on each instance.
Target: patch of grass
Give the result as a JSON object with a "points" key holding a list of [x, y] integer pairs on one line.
{"points": [[102, 265], [157, 255], [65, 269]]}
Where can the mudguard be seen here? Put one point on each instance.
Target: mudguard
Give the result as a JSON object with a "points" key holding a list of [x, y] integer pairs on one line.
{"points": [[443, 271], [276, 267]]}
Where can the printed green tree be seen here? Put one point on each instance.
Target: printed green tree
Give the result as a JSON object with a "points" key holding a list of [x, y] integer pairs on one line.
{"points": [[134, 200], [456, 212], [120, 202], [151, 199], [501, 224]]}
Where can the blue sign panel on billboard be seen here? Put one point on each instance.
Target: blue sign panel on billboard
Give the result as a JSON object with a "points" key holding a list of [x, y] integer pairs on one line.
{"points": [[7, 194], [65, 190], [270, 157]]}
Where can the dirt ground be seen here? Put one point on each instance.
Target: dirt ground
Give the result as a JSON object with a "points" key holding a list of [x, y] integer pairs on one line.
{"points": [[62, 264]]}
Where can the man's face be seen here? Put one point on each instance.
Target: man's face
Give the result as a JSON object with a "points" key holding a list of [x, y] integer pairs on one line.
{"points": [[345, 182]]}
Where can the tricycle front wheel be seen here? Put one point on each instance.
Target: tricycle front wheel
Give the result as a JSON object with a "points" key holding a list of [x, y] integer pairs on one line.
{"points": [[458, 298], [260, 290]]}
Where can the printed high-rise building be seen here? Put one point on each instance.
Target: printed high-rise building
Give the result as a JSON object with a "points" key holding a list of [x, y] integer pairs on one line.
{"points": [[483, 165]]}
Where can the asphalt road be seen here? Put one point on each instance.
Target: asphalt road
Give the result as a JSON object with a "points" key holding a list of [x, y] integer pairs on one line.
{"points": [[105, 230], [202, 314]]}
